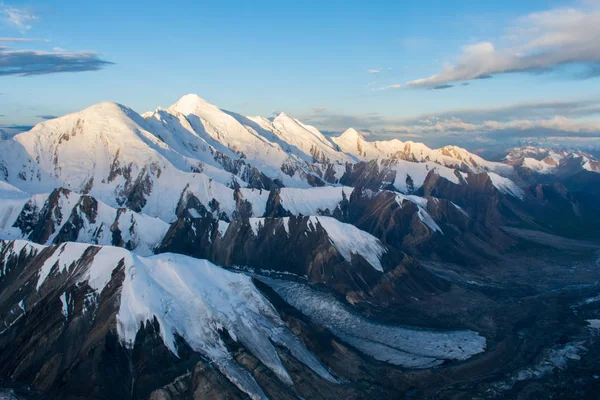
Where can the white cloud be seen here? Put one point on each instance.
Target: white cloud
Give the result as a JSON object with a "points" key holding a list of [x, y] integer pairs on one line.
{"points": [[538, 110], [21, 18], [558, 123], [11, 39], [378, 70], [537, 42], [566, 118], [394, 86]]}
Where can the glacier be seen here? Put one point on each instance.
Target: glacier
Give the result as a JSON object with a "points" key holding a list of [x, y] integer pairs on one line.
{"points": [[403, 346]]}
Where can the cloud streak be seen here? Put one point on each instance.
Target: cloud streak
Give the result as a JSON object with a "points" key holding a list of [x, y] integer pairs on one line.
{"points": [[394, 86], [580, 108], [46, 117], [21, 18], [378, 70], [514, 121], [538, 42], [12, 39], [31, 62]]}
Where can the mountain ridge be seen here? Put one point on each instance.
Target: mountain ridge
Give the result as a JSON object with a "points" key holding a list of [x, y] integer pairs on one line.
{"points": [[195, 252]]}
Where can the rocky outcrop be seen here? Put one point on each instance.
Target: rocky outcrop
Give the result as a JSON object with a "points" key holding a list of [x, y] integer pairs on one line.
{"points": [[65, 216], [368, 174]]}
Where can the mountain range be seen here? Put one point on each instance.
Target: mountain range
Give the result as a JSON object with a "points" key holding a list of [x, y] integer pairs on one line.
{"points": [[192, 252]]}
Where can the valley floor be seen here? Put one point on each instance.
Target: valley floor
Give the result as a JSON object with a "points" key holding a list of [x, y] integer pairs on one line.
{"points": [[534, 308]]}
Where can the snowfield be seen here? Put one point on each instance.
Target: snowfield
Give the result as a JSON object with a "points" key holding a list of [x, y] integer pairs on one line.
{"points": [[313, 201], [349, 240], [346, 238], [505, 185]]}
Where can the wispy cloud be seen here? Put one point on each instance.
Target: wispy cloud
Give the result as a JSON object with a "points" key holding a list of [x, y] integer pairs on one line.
{"points": [[31, 62], [12, 39], [394, 86], [538, 42], [16, 128], [46, 117], [580, 108], [21, 18], [378, 70], [335, 122], [520, 120]]}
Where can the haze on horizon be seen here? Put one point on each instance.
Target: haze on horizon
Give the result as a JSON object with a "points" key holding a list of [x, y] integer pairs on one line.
{"points": [[439, 72]]}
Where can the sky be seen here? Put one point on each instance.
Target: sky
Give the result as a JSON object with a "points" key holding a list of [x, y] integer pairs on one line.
{"points": [[440, 72]]}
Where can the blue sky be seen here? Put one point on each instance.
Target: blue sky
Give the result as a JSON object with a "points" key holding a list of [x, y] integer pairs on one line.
{"points": [[316, 60]]}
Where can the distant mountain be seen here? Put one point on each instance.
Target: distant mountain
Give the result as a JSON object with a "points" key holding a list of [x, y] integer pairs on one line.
{"points": [[545, 161], [354, 143]]}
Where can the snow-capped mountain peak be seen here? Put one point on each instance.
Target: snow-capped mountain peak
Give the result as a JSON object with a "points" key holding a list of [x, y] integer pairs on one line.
{"points": [[307, 139], [191, 104], [353, 142], [546, 161], [351, 134], [83, 147], [281, 115]]}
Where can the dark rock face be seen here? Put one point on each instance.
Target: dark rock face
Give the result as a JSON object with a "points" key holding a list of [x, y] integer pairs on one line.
{"points": [[203, 383], [40, 227], [135, 191], [191, 236], [305, 252], [298, 246], [78, 356], [479, 233], [554, 208], [61, 220], [87, 207], [28, 218], [274, 207], [189, 201], [249, 174], [368, 174]]}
